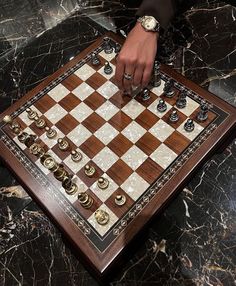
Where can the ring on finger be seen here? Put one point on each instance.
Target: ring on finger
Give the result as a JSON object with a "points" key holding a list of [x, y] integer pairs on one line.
{"points": [[128, 76]]}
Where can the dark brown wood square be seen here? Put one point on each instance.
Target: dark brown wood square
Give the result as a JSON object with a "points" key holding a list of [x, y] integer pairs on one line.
{"points": [[211, 117], [102, 60], [92, 146], [120, 120], [67, 124], [119, 211], [69, 102], [95, 100], [175, 125], [72, 82], [148, 102], [177, 142], [119, 99], [96, 80], [148, 143], [171, 100], [119, 172], [147, 119], [63, 154], [39, 131], [86, 213], [120, 145], [44, 103], [93, 122], [89, 181], [149, 170]]}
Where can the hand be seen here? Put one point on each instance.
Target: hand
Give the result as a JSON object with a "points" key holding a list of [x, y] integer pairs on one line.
{"points": [[136, 58]]}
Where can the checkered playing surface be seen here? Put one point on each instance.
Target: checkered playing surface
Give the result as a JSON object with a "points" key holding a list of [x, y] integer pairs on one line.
{"points": [[127, 140]]}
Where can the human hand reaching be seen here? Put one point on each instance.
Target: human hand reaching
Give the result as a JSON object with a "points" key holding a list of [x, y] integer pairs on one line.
{"points": [[136, 59]]}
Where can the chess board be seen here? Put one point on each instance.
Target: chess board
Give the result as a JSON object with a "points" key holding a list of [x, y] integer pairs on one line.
{"points": [[145, 157]]}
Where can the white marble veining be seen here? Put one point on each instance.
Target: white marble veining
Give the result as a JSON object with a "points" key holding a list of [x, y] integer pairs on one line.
{"points": [[107, 110], [134, 157], [85, 72], [133, 131], [79, 134], [161, 130], [58, 92], [83, 91], [133, 109], [107, 57], [108, 89], [158, 90], [106, 133], [163, 156], [135, 186], [81, 112], [55, 113], [105, 158]]}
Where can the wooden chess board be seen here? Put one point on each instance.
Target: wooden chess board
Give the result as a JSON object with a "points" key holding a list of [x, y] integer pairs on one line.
{"points": [[145, 157]]}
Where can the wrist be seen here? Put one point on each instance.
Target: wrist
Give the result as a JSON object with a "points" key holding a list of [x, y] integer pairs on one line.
{"points": [[152, 34]]}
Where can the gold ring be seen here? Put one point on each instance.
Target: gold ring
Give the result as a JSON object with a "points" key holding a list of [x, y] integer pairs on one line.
{"points": [[128, 76]]}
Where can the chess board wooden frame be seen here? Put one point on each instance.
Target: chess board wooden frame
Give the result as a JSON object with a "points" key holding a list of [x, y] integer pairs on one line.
{"points": [[159, 194]]}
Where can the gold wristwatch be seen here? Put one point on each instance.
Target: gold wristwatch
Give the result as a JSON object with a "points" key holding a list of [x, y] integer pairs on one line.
{"points": [[149, 23]]}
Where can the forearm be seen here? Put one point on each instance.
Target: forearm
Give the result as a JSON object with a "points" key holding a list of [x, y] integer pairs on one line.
{"points": [[162, 10]]}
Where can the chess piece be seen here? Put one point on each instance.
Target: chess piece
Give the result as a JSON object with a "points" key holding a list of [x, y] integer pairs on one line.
{"points": [[189, 125], [76, 156], [203, 113], [102, 217], [145, 94], [31, 113], [169, 88], [50, 132], [63, 144], [60, 173], [15, 126], [89, 170], [48, 162], [120, 200], [37, 150], [117, 48], [181, 101], [70, 187], [174, 117], [161, 107], [108, 68], [22, 137], [40, 123], [30, 140], [108, 49], [85, 200], [95, 59], [7, 119], [156, 75], [103, 183]]}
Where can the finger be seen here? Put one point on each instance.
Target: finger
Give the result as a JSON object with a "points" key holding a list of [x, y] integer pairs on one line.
{"points": [[137, 81], [120, 67], [127, 84], [146, 75]]}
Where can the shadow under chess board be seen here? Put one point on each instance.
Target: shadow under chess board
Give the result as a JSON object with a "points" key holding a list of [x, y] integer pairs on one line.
{"points": [[136, 155]]}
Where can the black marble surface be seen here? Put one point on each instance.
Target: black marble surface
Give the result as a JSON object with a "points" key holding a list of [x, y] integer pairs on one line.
{"points": [[193, 242]]}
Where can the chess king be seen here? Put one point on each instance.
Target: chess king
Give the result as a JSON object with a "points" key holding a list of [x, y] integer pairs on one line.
{"points": [[136, 58]]}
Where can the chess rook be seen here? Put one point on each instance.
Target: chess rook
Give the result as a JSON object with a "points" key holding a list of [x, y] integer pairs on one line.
{"points": [[108, 49]]}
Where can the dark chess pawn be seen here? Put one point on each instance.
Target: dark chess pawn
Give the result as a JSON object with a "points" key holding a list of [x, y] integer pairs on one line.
{"points": [[203, 113], [156, 75], [189, 125], [181, 101], [161, 106], [117, 48], [174, 117], [169, 88], [145, 94], [108, 68], [95, 59], [108, 49]]}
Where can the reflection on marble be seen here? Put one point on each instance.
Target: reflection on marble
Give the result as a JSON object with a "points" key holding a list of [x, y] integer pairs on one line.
{"points": [[193, 241]]}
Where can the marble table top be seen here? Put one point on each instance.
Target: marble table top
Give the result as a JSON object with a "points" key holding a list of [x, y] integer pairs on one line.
{"points": [[193, 242]]}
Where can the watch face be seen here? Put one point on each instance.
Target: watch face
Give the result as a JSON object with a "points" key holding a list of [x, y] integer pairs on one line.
{"points": [[150, 23]]}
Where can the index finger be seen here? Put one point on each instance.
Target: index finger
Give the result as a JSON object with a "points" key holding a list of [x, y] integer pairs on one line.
{"points": [[120, 67]]}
